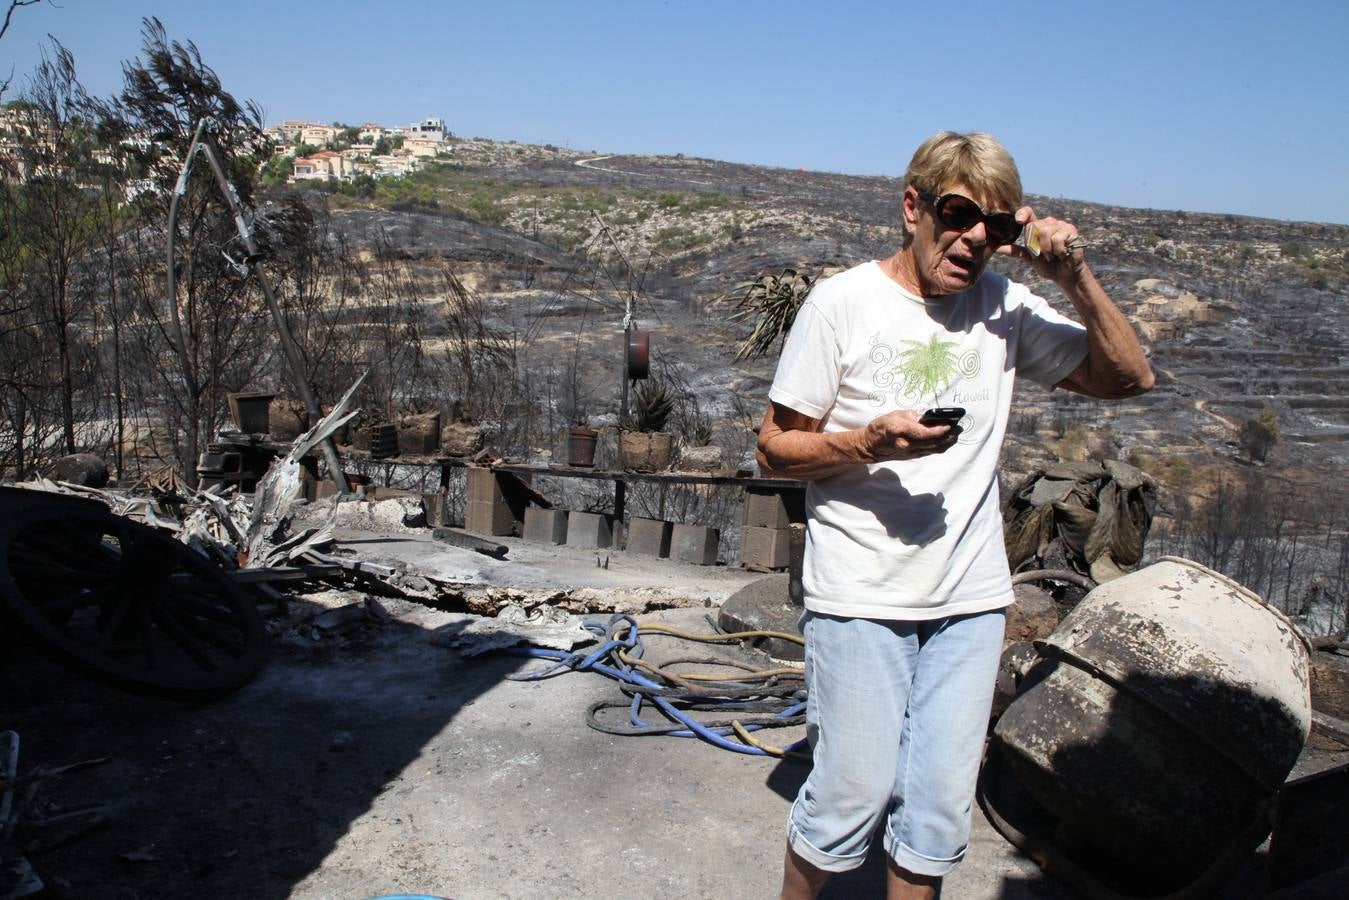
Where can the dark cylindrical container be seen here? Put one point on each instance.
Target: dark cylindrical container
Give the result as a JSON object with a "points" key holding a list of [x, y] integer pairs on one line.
{"points": [[581, 446], [1162, 716], [639, 354]]}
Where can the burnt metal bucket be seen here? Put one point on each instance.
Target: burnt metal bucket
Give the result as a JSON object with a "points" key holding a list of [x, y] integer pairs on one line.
{"points": [[251, 410], [581, 446], [1143, 753]]}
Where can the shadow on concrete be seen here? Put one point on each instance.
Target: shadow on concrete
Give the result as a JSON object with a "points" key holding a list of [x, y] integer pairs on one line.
{"points": [[243, 796], [787, 777]]}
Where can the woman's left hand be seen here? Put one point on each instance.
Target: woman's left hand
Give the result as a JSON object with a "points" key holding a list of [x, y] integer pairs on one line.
{"points": [[1060, 256]]}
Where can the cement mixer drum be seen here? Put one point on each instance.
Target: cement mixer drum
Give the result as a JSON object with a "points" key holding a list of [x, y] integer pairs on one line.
{"points": [[1158, 723]]}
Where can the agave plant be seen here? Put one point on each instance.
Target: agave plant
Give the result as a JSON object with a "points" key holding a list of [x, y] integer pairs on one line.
{"points": [[691, 423], [772, 302], [653, 402]]}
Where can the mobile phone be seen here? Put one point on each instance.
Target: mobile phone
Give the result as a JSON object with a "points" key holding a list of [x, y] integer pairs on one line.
{"points": [[942, 415]]}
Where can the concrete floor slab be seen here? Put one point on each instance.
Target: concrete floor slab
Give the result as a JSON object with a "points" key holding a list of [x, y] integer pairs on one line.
{"points": [[382, 763]]}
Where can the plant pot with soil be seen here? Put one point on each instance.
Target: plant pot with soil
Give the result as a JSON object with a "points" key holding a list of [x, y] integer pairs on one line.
{"points": [[462, 439], [643, 445], [697, 453], [581, 445]]}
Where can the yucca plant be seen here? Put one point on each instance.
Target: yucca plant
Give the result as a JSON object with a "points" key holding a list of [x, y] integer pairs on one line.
{"points": [[771, 301]]}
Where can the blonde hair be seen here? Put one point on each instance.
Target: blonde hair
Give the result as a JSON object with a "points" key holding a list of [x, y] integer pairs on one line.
{"points": [[975, 160]]}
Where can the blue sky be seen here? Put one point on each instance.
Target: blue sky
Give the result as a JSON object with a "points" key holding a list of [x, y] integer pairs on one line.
{"points": [[1238, 107]]}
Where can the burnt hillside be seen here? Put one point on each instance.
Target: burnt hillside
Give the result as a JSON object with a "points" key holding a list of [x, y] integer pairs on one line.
{"points": [[1238, 314]]}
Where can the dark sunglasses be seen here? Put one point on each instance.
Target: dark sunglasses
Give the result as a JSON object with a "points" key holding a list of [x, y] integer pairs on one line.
{"points": [[961, 213]]}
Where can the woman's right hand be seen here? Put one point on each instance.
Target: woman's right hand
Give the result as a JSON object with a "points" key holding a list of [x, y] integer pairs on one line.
{"points": [[899, 435]]}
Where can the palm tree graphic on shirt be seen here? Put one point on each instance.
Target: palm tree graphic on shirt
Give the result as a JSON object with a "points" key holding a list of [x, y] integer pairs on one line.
{"points": [[927, 368]]}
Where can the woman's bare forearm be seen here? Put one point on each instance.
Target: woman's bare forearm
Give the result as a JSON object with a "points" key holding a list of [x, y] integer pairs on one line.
{"points": [[791, 445], [1116, 366], [807, 455]]}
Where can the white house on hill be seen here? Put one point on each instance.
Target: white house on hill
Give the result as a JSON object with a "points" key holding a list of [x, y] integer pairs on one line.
{"points": [[432, 129]]}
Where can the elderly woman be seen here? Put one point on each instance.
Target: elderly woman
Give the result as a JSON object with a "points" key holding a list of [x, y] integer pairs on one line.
{"points": [[905, 577]]}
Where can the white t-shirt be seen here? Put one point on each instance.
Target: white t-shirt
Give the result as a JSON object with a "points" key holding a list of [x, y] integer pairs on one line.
{"points": [[921, 538]]}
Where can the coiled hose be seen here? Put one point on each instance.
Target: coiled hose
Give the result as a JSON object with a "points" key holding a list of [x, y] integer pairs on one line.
{"points": [[755, 698]]}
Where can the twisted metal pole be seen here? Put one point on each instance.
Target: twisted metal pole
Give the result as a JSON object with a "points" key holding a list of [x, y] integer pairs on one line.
{"points": [[202, 142]]}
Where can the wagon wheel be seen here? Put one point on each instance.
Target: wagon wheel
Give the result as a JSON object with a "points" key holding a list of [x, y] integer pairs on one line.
{"points": [[126, 603]]}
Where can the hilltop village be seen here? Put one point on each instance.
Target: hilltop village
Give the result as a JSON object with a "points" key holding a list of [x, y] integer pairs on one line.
{"points": [[304, 151], [307, 151]]}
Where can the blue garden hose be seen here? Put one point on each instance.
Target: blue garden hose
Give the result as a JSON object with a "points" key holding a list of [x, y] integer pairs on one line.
{"points": [[645, 688]]}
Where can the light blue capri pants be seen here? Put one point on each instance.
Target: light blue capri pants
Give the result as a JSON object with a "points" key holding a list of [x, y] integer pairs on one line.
{"points": [[896, 716]]}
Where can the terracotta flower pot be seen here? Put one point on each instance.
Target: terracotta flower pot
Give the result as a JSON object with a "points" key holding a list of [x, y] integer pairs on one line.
{"points": [[581, 446]]}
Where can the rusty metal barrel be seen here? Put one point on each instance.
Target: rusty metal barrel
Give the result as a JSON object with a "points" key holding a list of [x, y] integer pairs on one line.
{"points": [[1155, 728]]}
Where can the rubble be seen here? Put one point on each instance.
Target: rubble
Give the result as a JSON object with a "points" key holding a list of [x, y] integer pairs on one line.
{"points": [[283, 486], [342, 620], [254, 548], [84, 469], [395, 515], [542, 626], [28, 824]]}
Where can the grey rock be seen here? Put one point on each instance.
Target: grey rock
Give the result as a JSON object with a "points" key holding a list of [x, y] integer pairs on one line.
{"points": [[84, 469]]}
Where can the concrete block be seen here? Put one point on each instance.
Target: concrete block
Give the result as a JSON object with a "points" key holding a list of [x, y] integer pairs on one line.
{"points": [[497, 489], [764, 605], [483, 485], [589, 531], [383, 441], [765, 549], [764, 509], [435, 503], [650, 537], [489, 518], [695, 544], [359, 432], [773, 508], [380, 492], [545, 526]]}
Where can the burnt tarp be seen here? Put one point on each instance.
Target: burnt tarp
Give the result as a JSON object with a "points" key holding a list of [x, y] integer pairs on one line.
{"points": [[1092, 517]]}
